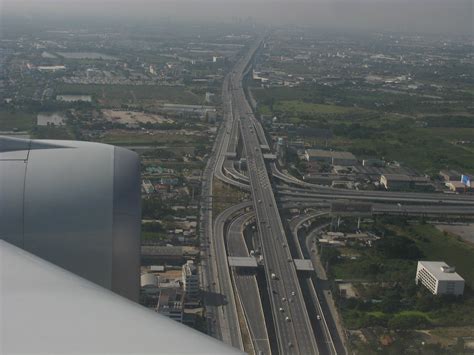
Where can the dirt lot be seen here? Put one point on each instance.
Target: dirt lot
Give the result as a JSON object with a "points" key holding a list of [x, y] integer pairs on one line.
{"points": [[465, 231], [132, 117]]}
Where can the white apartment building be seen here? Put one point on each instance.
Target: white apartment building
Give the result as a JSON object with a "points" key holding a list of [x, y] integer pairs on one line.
{"points": [[439, 278], [190, 279]]}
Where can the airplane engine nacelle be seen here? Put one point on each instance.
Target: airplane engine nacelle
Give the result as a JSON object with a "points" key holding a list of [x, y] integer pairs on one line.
{"points": [[75, 204]]}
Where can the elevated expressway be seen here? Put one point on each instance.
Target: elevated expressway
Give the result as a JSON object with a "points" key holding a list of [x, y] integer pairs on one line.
{"points": [[225, 139], [228, 317], [246, 285], [331, 193], [325, 307], [292, 326], [380, 208], [326, 343], [222, 324]]}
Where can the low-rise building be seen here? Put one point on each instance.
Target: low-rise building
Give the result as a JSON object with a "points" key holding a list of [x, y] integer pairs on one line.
{"points": [[161, 255], [439, 278], [171, 303], [450, 175], [457, 186], [51, 68], [395, 181], [149, 283], [147, 187], [403, 182], [373, 162], [149, 290], [331, 157]]}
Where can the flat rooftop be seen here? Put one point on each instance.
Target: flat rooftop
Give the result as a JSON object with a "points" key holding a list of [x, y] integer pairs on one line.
{"points": [[161, 250], [397, 177], [303, 264], [436, 269], [330, 154]]}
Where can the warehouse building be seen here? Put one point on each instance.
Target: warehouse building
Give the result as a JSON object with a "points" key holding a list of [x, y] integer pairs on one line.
{"points": [[395, 181], [330, 157], [403, 182], [439, 278], [450, 175], [457, 186], [161, 255]]}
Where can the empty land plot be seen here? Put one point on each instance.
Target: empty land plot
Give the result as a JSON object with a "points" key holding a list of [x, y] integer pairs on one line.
{"points": [[166, 138], [132, 93], [465, 231], [299, 107], [132, 117], [17, 120], [86, 55]]}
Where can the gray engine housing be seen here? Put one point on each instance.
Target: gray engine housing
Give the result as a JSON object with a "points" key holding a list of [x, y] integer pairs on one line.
{"points": [[75, 204]]}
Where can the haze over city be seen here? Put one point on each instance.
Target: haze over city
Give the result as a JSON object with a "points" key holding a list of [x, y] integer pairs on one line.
{"points": [[425, 16], [236, 177]]}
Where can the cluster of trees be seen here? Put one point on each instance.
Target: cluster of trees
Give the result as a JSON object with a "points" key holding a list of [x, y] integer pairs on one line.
{"points": [[162, 126], [390, 298], [154, 227], [355, 131], [398, 247], [449, 121], [154, 208]]}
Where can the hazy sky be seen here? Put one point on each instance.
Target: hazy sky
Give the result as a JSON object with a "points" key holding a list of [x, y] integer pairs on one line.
{"points": [[438, 16]]}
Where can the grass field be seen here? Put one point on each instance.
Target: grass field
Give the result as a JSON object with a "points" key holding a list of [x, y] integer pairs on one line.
{"points": [[132, 93], [263, 96], [160, 139], [377, 276], [427, 150], [152, 236], [437, 245], [390, 130], [434, 244], [16, 120], [298, 107], [359, 269], [225, 197], [52, 132], [462, 133]]}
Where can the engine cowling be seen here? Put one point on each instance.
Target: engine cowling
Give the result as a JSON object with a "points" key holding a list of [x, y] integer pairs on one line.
{"points": [[75, 204]]}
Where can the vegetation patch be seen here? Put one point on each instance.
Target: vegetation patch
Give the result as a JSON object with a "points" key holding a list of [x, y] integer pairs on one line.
{"points": [[132, 93], [384, 277], [16, 120]]}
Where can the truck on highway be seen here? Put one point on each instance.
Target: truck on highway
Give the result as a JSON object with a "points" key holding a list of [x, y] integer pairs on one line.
{"points": [[273, 276]]}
